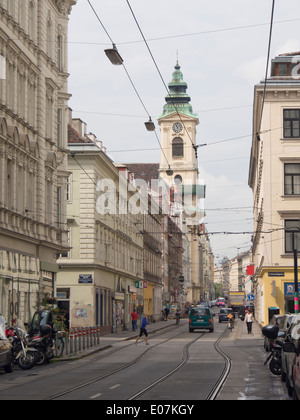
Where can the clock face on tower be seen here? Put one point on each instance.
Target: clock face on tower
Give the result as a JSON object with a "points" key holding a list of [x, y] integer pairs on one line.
{"points": [[177, 127]]}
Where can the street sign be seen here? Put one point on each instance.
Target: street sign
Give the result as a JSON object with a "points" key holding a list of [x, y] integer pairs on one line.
{"points": [[251, 297], [85, 278]]}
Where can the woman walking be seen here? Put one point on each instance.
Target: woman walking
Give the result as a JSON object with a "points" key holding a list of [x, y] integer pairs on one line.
{"points": [[249, 321]]}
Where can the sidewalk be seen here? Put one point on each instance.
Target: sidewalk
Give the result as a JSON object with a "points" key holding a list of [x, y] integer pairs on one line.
{"points": [[249, 378]]}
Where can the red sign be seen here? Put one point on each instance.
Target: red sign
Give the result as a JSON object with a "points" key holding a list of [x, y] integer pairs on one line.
{"points": [[250, 270]]}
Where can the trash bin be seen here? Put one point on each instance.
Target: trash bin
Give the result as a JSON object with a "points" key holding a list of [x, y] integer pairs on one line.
{"points": [[273, 310]]}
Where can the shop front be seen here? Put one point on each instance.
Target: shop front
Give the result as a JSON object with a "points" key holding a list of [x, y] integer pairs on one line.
{"points": [[274, 289]]}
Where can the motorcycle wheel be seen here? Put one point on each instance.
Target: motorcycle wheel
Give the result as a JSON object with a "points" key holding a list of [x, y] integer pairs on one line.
{"points": [[27, 362], [41, 358], [275, 367]]}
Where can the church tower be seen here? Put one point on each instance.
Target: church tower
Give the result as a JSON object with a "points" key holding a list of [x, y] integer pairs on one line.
{"points": [[178, 139]]}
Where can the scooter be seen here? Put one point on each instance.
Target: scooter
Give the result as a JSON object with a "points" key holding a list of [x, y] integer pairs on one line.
{"points": [[275, 356]]}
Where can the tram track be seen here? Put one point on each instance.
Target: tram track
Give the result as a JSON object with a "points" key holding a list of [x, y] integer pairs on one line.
{"points": [[218, 385], [126, 365], [185, 359]]}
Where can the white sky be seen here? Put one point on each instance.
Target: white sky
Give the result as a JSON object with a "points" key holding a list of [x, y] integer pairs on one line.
{"points": [[222, 48]]}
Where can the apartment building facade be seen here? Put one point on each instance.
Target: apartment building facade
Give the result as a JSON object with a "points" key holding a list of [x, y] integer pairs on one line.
{"points": [[108, 271], [274, 177], [33, 142]]}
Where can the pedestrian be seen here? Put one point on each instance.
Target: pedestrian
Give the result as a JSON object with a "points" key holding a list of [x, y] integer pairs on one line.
{"points": [[230, 318], [249, 321], [166, 312], [143, 330], [134, 317]]}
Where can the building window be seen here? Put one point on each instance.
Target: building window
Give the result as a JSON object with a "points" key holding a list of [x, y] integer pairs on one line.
{"points": [[282, 69], [292, 235], [292, 178], [177, 147], [60, 52], [31, 23], [291, 123], [59, 128]]}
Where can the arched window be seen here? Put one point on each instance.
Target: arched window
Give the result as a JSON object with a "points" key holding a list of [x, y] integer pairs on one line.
{"points": [[177, 147]]}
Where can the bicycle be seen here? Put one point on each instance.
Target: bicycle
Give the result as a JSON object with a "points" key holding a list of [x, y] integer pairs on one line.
{"points": [[230, 324], [59, 343]]}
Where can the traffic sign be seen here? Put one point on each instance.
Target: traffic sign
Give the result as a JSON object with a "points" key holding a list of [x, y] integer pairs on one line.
{"points": [[251, 297]]}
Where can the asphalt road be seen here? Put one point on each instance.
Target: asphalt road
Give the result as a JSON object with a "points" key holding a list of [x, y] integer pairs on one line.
{"points": [[103, 376]]}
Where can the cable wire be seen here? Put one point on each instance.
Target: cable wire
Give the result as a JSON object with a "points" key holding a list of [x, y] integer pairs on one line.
{"points": [[131, 81], [267, 69]]}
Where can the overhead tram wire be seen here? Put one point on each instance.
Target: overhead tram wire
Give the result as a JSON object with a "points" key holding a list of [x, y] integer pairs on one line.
{"points": [[267, 70], [131, 81], [195, 147]]}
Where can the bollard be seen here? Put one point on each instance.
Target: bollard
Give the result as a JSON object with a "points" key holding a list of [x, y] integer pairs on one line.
{"points": [[71, 340], [79, 338], [75, 340], [88, 338], [84, 337], [98, 335]]}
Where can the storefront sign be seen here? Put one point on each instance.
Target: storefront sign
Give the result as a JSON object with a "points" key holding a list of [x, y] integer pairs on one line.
{"points": [[141, 284]]}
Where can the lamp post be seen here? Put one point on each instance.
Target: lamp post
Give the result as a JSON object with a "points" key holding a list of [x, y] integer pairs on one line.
{"points": [[296, 297]]}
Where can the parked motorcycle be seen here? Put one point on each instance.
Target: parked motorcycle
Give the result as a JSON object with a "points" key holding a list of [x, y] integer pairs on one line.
{"points": [[275, 356], [42, 331], [271, 332], [24, 356], [44, 343]]}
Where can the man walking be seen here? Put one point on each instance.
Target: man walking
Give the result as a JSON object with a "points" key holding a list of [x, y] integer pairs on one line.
{"points": [[143, 331], [134, 317], [166, 312]]}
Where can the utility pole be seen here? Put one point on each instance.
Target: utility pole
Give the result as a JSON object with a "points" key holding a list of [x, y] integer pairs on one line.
{"points": [[296, 299]]}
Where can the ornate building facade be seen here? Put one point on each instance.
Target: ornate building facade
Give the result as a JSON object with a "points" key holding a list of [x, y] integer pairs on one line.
{"points": [[33, 145]]}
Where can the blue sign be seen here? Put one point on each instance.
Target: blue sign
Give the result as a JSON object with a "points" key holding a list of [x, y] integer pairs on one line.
{"points": [[85, 278], [289, 289], [251, 297]]}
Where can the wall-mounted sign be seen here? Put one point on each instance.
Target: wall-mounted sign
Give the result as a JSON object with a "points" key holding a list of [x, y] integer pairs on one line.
{"points": [[141, 284], [275, 274], [85, 278], [289, 289]]}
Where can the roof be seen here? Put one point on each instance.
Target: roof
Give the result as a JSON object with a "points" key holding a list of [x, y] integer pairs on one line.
{"points": [[146, 171], [75, 137]]}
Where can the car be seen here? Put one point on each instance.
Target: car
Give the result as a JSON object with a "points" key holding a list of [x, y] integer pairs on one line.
{"points": [[275, 320], [293, 348], [6, 352], [221, 302], [40, 318], [223, 315], [296, 372], [288, 357], [201, 318]]}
